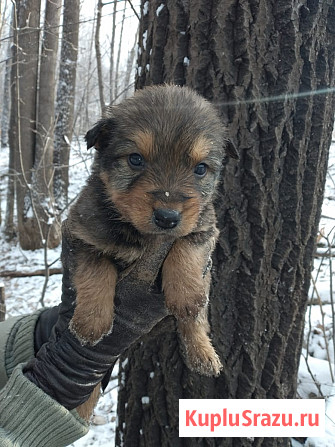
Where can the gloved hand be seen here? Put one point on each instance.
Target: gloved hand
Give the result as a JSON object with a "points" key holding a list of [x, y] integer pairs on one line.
{"points": [[64, 368]]}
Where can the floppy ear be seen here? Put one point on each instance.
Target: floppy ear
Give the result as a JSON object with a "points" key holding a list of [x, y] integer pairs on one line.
{"points": [[99, 135], [231, 150]]}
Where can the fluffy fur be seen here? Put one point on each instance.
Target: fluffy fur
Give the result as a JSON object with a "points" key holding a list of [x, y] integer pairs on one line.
{"points": [[157, 164]]}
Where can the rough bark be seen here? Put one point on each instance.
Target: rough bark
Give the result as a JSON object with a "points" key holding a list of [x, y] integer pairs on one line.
{"points": [[65, 101], [239, 54], [22, 135]]}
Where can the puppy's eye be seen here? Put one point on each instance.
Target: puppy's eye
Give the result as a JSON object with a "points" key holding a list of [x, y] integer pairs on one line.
{"points": [[200, 169], [136, 161]]}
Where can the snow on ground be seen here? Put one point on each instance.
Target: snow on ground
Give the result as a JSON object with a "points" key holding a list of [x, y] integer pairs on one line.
{"points": [[23, 296]]}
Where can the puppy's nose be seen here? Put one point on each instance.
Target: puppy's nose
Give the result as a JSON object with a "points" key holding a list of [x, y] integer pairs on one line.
{"points": [[165, 218]]}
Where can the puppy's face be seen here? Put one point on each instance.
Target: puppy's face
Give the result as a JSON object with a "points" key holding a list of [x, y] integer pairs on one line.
{"points": [[159, 156]]}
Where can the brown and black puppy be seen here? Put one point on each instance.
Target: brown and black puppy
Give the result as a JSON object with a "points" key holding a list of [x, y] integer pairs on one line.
{"points": [[158, 160]]}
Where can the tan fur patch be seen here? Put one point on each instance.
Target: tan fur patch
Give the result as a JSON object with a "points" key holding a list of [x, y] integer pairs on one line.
{"points": [[85, 410], [144, 140], [200, 354], [95, 280], [190, 216], [137, 206], [200, 149], [183, 284]]}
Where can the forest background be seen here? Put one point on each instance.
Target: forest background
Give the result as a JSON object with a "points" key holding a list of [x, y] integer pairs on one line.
{"points": [[57, 76]]}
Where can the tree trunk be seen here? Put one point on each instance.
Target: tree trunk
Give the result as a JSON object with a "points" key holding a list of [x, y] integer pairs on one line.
{"points": [[65, 101], [117, 68], [22, 135], [5, 108], [10, 199], [98, 57], [6, 104], [2, 303], [240, 54], [42, 176], [111, 67], [129, 70]]}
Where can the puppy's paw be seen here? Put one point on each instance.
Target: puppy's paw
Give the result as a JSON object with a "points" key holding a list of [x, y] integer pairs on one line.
{"points": [[203, 361], [199, 353], [90, 330]]}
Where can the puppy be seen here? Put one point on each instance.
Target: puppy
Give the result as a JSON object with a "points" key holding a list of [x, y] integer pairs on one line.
{"points": [[157, 164]]}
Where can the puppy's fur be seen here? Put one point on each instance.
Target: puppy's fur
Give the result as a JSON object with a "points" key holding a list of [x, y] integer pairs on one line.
{"points": [[158, 160]]}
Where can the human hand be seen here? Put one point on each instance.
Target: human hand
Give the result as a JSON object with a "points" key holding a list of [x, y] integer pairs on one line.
{"points": [[69, 371]]}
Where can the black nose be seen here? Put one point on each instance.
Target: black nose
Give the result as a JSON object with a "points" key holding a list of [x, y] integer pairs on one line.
{"points": [[166, 218]]}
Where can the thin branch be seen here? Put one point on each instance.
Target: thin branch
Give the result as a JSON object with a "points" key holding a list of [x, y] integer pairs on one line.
{"points": [[18, 274], [134, 10]]}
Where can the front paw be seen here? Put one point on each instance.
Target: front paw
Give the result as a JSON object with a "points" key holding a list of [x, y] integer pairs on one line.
{"points": [[90, 330], [203, 361]]}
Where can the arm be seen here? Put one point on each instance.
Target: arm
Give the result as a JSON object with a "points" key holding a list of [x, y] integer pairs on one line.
{"points": [[64, 373], [28, 416]]}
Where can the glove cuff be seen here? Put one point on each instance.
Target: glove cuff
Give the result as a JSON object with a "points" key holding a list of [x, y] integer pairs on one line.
{"points": [[67, 371], [16, 343], [29, 417]]}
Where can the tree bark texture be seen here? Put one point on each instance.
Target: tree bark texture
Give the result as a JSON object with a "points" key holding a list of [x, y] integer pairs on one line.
{"points": [[240, 54], [65, 101], [22, 136]]}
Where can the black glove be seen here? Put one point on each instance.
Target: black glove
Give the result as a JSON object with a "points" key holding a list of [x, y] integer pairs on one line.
{"points": [[64, 368]]}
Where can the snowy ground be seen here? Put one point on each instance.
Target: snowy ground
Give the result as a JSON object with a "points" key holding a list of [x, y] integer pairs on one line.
{"points": [[23, 296]]}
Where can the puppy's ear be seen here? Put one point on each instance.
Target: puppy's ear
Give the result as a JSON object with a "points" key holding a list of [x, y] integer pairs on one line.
{"points": [[231, 150], [99, 135]]}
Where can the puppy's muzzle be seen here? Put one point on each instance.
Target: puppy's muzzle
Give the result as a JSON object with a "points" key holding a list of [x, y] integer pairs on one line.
{"points": [[166, 218]]}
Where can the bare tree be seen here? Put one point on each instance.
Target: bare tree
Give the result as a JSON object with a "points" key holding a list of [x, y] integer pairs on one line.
{"points": [[5, 117], [22, 135], [5, 109], [3, 10], [111, 67], [65, 101], [85, 117], [117, 68], [129, 68], [9, 229], [258, 61], [42, 177], [31, 123], [98, 56]]}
